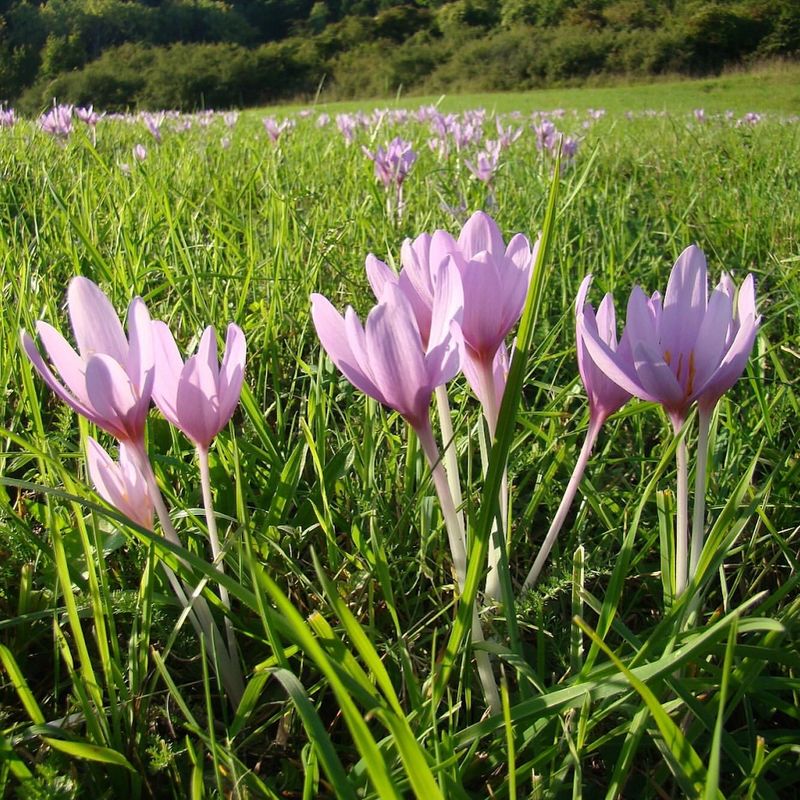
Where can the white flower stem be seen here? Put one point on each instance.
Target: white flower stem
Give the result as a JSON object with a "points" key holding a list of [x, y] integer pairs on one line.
{"points": [[681, 513], [195, 606], [450, 454], [701, 466], [566, 503], [455, 533], [456, 536], [491, 411], [216, 551]]}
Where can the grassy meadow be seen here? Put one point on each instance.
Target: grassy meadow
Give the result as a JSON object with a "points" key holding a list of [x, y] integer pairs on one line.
{"points": [[359, 676]]}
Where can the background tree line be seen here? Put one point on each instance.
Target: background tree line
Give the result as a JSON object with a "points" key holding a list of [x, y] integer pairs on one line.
{"points": [[188, 54]]}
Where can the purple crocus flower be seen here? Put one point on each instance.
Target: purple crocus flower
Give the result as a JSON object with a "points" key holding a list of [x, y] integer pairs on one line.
{"points": [[466, 134], [490, 269], [605, 396], [347, 127], [695, 347], [139, 152], [200, 396], [276, 129], [110, 379], [569, 148], [386, 359], [57, 121], [8, 117], [421, 260], [546, 135], [393, 164], [153, 123], [486, 162], [230, 118], [507, 136], [121, 484], [87, 115]]}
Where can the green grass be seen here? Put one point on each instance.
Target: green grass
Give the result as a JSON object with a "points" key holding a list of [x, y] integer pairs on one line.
{"points": [[336, 556], [773, 87]]}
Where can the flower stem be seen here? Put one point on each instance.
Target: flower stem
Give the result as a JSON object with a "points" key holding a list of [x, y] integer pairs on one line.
{"points": [[701, 466], [216, 551], [455, 533], [681, 512], [491, 411], [194, 606], [457, 537], [450, 455], [566, 503]]}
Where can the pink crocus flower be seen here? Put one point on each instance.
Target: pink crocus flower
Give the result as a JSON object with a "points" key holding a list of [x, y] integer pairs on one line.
{"points": [[276, 129], [393, 163], [486, 162], [110, 379], [200, 396], [420, 259], [695, 347], [605, 396], [495, 278], [386, 359], [8, 117], [121, 484], [57, 121], [546, 135], [87, 115], [139, 152]]}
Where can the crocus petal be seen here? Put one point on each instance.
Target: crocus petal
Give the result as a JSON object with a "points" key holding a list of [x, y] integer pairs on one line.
{"points": [[520, 253], [607, 321], [231, 373], [378, 275], [69, 364], [481, 234], [113, 398], [168, 367], [95, 323], [656, 377], [640, 319], [685, 303], [394, 350], [444, 361], [415, 256], [207, 356], [104, 473], [711, 338], [617, 368], [141, 360], [732, 364], [442, 245], [580, 303], [482, 325], [746, 302], [330, 326], [513, 288], [197, 402], [421, 306], [448, 302]]}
